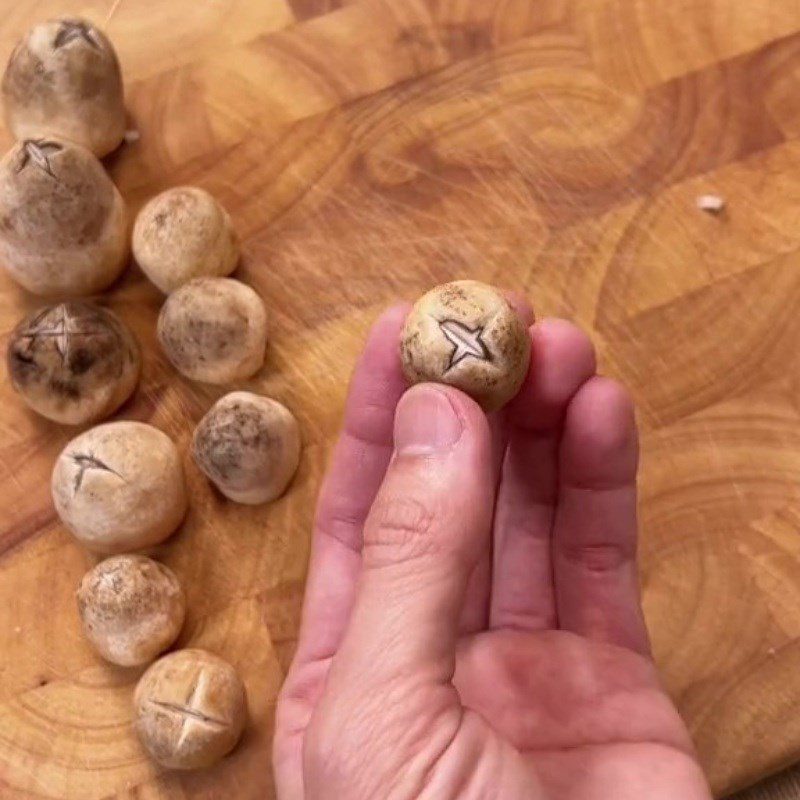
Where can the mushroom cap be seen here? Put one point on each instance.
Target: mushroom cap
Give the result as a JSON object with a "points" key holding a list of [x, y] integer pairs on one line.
{"points": [[131, 607], [63, 223], [190, 709], [63, 80], [466, 334], [214, 330], [73, 362], [181, 234], [249, 446], [120, 487]]}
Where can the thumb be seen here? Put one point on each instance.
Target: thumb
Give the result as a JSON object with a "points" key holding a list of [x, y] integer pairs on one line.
{"points": [[425, 532]]}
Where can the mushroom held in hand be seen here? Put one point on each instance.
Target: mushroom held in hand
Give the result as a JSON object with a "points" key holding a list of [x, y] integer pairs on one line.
{"points": [[63, 80], [120, 487], [190, 709], [466, 334], [73, 362], [181, 234], [132, 609], [63, 224], [214, 330], [249, 446]]}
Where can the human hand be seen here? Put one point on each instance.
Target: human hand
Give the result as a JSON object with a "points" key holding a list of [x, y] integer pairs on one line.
{"points": [[472, 626]]}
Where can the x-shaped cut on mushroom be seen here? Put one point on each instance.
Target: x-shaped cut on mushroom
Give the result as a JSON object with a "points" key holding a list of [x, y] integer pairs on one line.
{"points": [[87, 461], [62, 331], [191, 711], [72, 30], [37, 152], [466, 341]]}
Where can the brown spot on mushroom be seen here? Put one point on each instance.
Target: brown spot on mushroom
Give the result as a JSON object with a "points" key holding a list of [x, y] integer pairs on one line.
{"points": [[214, 330], [249, 446]]}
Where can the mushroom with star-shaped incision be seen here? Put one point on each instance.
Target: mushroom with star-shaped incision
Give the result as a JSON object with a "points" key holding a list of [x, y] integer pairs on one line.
{"points": [[467, 335], [63, 80], [73, 362], [63, 223], [120, 487]]}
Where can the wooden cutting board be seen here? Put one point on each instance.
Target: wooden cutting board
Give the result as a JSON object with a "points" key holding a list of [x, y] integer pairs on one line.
{"points": [[367, 150]]}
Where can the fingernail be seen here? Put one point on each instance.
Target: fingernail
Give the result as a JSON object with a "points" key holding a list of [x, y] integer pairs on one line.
{"points": [[426, 422]]}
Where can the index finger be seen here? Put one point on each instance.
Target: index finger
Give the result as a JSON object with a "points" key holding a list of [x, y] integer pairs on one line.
{"points": [[354, 476]]}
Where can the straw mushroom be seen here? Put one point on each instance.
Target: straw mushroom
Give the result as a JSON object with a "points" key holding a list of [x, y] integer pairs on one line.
{"points": [[190, 709], [466, 334], [63, 80], [249, 446], [214, 330], [132, 609], [120, 487], [63, 224], [73, 362], [181, 234]]}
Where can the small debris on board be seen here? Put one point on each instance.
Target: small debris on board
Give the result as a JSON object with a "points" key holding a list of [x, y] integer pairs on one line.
{"points": [[711, 203], [132, 136]]}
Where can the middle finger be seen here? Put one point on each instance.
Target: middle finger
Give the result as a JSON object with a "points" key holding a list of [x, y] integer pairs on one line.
{"points": [[562, 359]]}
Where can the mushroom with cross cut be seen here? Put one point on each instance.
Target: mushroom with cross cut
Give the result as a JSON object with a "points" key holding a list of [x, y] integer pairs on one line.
{"points": [[63, 223], [190, 709], [37, 152], [63, 80], [120, 487], [73, 362], [467, 335]]}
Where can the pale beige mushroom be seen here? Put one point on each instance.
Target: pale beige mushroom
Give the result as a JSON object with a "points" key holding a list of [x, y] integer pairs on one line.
{"points": [[190, 709], [214, 330], [73, 362], [466, 334], [63, 223], [181, 234], [63, 80], [131, 608], [120, 487], [249, 446]]}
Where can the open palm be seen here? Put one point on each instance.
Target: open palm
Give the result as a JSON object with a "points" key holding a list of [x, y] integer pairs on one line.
{"points": [[472, 627]]}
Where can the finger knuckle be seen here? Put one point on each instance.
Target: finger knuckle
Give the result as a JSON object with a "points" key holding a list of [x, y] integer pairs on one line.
{"points": [[401, 529], [597, 558]]}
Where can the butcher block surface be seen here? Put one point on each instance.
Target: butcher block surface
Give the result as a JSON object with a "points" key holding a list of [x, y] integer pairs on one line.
{"points": [[367, 150]]}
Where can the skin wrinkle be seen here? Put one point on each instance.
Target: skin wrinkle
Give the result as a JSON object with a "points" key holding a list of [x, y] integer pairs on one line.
{"points": [[596, 558]]}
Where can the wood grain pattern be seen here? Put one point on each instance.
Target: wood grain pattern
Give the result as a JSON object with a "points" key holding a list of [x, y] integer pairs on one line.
{"points": [[366, 150]]}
